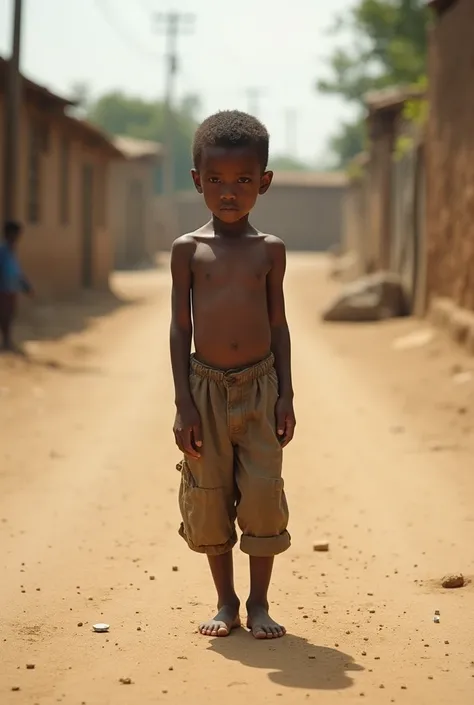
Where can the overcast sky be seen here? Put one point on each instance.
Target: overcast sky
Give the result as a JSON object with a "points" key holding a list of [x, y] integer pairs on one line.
{"points": [[270, 45]]}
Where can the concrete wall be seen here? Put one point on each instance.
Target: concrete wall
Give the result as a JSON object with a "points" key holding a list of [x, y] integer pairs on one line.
{"points": [[52, 252], [305, 217], [408, 220], [131, 219], [450, 157], [356, 242], [382, 133]]}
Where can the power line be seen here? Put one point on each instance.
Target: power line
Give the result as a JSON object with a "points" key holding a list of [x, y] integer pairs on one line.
{"points": [[123, 33], [253, 96], [12, 117], [172, 25]]}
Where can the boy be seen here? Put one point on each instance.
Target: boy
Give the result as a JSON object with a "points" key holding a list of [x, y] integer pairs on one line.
{"points": [[12, 281], [234, 400]]}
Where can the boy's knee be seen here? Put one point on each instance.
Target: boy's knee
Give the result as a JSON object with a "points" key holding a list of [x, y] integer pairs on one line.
{"points": [[263, 517]]}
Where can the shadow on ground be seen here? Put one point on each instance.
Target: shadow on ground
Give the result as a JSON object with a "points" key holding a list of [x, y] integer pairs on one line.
{"points": [[22, 360], [40, 321], [293, 661]]}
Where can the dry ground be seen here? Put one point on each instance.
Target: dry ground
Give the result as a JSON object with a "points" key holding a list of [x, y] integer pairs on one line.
{"points": [[381, 466]]}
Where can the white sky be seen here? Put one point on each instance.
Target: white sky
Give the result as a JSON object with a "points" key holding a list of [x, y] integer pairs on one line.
{"points": [[279, 47]]}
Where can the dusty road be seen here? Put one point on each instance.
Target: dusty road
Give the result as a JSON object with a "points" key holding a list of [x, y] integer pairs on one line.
{"points": [[382, 466]]}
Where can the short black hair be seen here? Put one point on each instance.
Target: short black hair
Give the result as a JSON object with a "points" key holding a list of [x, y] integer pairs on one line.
{"points": [[232, 128], [11, 229]]}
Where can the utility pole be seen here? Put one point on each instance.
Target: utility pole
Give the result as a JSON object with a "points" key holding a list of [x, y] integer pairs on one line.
{"points": [[12, 119], [253, 97], [291, 122], [172, 25]]}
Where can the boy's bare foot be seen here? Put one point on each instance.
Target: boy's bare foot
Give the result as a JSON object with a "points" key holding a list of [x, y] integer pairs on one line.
{"points": [[261, 624], [223, 623]]}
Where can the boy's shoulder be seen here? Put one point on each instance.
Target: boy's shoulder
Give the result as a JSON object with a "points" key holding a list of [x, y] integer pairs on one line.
{"points": [[185, 245], [189, 240], [273, 241]]}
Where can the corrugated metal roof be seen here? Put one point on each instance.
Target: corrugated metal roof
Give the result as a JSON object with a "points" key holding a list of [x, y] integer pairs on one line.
{"points": [[440, 6], [312, 179], [39, 95], [392, 97], [33, 90], [138, 149]]}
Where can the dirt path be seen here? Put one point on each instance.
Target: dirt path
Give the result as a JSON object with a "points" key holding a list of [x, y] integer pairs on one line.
{"points": [[381, 467]]}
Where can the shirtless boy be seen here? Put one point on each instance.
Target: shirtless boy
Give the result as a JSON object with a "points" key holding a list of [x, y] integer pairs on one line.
{"points": [[234, 396]]}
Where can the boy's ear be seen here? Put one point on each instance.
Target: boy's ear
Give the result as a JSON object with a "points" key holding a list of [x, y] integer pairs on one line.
{"points": [[265, 182], [197, 180]]}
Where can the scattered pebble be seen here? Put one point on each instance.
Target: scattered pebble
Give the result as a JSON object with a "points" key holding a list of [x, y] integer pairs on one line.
{"points": [[30, 666], [321, 546], [16, 689], [125, 681], [101, 627], [455, 580], [175, 569], [80, 624]]}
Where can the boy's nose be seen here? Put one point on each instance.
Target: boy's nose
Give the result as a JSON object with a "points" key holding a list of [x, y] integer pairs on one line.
{"points": [[227, 194]]}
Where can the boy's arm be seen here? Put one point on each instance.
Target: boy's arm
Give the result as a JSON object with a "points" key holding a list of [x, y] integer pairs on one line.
{"points": [[281, 345], [187, 425]]}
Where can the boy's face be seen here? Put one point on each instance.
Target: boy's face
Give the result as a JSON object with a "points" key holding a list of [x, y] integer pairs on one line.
{"points": [[231, 180]]}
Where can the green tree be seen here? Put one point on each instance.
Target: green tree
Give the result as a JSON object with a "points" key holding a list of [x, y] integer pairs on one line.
{"points": [[283, 162], [390, 46], [120, 114]]}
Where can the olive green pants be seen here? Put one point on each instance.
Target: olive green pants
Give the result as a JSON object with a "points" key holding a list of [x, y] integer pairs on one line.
{"points": [[239, 473]]}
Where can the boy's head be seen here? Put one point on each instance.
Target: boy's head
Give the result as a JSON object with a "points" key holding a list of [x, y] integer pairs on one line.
{"points": [[12, 232], [230, 154]]}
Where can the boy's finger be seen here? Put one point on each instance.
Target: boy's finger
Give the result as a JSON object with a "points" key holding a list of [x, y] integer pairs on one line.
{"points": [[197, 435], [289, 432], [280, 424], [188, 448]]}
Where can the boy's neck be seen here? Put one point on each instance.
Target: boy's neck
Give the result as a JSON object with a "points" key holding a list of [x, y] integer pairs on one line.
{"points": [[238, 229]]}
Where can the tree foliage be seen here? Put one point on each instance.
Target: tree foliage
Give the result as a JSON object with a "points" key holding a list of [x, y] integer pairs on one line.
{"points": [[121, 114], [283, 162], [389, 48]]}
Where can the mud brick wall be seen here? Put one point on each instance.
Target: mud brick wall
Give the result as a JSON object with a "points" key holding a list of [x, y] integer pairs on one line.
{"points": [[450, 156]]}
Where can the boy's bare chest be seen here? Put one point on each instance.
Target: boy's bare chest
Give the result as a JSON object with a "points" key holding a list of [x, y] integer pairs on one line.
{"points": [[219, 266]]}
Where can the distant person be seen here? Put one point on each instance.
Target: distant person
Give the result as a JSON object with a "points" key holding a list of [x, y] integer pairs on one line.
{"points": [[12, 282], [234, 395]]}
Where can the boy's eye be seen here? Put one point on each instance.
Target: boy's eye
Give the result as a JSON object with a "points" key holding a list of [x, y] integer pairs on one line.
{"points": [[213, 180], [244, 180]]}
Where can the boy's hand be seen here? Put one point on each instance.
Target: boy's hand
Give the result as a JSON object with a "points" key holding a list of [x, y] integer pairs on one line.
{"points": [[187, 430], [285, 420]]}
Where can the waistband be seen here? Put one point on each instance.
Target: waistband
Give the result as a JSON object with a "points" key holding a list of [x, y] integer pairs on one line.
{"points": [[231, 377]]}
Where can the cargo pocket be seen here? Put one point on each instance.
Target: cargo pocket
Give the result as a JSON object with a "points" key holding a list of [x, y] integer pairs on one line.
{"points": [[207, 524]]}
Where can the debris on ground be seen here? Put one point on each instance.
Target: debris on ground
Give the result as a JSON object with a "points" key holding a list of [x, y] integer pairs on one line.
{"points": [[455, 580], [417, 339], [125, 681], [30, 666], [101, 627], [321, 546], [375, 297]]}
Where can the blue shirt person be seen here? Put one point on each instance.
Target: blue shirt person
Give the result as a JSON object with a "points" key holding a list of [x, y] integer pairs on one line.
{"points": [[12, 281]]}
